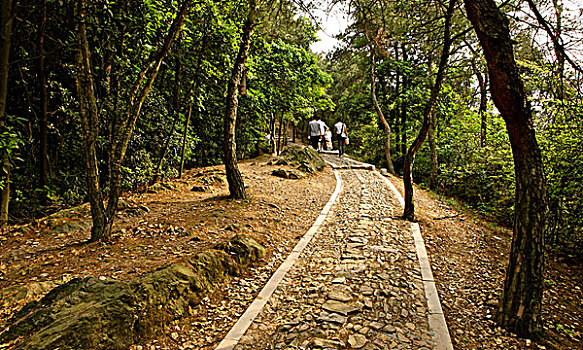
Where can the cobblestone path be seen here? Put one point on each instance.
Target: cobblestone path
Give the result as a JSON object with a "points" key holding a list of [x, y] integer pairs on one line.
{"points": [[356, 285]]}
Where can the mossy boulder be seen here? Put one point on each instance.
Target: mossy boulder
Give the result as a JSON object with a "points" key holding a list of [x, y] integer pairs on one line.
{"points": [[297, 155], [104, 313]]}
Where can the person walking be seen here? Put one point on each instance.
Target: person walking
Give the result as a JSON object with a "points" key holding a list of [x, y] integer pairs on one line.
{"points": [[323, 128], [328, 139], [315, 133], [341, 136]]}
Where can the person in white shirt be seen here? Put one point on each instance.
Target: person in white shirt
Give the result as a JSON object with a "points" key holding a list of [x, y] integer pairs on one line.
{"points": [[328, 138], [341, 136], [315, 132], [323, 128]]}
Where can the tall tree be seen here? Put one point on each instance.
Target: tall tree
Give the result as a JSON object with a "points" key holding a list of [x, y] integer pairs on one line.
{"points": [[409, 212], [234, 178], [520, 307], [90, 119], [6, 19]]}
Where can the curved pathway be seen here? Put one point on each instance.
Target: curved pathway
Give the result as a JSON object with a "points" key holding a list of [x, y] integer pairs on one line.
{"points": [[357, 284]]}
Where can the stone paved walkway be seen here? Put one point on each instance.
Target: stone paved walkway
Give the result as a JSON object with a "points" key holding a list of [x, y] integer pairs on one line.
{"points": [[356, 285]]}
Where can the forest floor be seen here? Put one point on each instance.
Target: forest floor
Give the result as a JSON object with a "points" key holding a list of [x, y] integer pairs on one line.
{"points": [[468, 255]]}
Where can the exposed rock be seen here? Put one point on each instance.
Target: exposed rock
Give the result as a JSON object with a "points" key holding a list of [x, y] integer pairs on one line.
{"points": [[306, 168], [296, 155], [103, 313], [287, 174]]}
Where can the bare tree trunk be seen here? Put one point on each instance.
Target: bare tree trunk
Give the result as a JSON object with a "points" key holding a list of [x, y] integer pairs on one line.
{"points": [[379, 112], [434, 169], [279, 139], [236, 185], [5, 33], [520, 307], [44, 154], [184, 136], [434, 164], [409, 213]]}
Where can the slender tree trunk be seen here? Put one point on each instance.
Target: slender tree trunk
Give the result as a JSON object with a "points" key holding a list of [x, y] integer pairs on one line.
{"points": [[184, 136], [5, 34], [103, 216], [272, 133], [434, 168], [377, 107], [406, 81], [236, 185], [177, 80], [409, 213], [279, 139], [520, 307], [166, 147], [44, 154], [434, 164], [90, 125]]}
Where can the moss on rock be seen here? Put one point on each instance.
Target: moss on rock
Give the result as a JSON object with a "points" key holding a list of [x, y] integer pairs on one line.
{"points": [[297, 155], [103, 313]]}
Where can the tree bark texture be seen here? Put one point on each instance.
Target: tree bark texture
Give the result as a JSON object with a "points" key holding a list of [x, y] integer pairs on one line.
{"points": [[236, 185], [434, 169], [90, 126], [379, 111], [520, 307], [409, 212], [5, 34]]}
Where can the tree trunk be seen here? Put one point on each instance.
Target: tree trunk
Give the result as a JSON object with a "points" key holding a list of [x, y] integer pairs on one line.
{"points": [[379, 112], [177, 80], [103, 217], [236, 185], [520, 307], [184, 136], [279, 134], [409, 213], [434, 169], [43, 149], [90, 125], [5, 34]]}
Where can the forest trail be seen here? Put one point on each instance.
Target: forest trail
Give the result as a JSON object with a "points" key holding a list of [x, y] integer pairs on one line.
{"points": [[358, 283]]}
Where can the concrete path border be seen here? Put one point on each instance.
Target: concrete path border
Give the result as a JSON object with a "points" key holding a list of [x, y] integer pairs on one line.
{"points": [[234, 336], [436, 318]]}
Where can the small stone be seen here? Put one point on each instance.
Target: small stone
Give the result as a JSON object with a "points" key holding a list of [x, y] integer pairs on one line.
{"points": [[376, 325], [332, 317], [366, 290], [389, 329], [357, 341], [339, 280], [340, 307], [339, 296], [364, 330]]}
